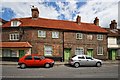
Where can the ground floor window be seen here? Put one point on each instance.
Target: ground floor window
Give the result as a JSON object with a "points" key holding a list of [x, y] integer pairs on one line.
{"points": [[79, 51], [14, 53], [48, 50], [99, 50], [9, 53], [118, 52]]}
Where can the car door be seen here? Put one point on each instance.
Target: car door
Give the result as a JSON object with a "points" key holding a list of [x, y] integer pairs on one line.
{"points": [[29, 61], [89, 61], [37, 61], [81, 60]]}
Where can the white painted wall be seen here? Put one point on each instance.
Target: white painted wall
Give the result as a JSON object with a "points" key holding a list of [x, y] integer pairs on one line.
{"points": [[0, 23], [112, 42]]}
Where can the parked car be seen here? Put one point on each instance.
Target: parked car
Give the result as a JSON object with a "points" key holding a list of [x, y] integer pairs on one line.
{"points": [[84, 60], [35, 60]]}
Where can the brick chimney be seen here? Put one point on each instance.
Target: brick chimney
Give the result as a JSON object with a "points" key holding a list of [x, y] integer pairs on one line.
{"points": [[113, 25], [78, 19], [35, 12], [96, 21]]}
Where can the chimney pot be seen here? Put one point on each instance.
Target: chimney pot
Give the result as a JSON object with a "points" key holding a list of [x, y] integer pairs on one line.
{"points": [[113, 24], [35, 12], [96, 21], [78, 19]]}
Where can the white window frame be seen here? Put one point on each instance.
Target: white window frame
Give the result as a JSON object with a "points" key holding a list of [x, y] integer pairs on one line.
{"points": [[55, 34], [99, 37], [14, 36], [41, 33], [90, 37], [15, 23], [79, 36], [48, 50], [99, 50], [79, 51]]}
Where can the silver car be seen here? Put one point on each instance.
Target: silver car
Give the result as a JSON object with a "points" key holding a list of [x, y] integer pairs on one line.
{"points": [[84, 60]]}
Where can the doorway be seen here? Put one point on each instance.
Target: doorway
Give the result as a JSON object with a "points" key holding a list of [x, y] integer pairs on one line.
{"points": [[90, 52], [21, 53], [67, 54], [112, 54]]}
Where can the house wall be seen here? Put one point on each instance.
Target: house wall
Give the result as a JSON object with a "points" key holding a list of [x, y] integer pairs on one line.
{"points": [[70, 41], [38, 44], [113, 44]]}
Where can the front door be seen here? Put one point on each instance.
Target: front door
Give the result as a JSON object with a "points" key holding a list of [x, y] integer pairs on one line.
{"points": [[90, 52], [113, 54], [66, 54], [21, 53]]}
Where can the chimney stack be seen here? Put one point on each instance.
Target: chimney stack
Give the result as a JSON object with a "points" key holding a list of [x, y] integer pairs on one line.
{"points": [[35, 12], [96, 21], [78, 19], [113, 25]]}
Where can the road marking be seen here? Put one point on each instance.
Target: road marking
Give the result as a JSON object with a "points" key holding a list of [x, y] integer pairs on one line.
{"points": [[22, 76]]}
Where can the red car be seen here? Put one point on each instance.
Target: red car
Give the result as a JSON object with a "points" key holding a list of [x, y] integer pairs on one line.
{"points": [[35, 60]]}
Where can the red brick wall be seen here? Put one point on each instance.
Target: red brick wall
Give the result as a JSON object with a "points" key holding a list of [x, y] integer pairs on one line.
{"points": [[31, 35], [73, 43]]}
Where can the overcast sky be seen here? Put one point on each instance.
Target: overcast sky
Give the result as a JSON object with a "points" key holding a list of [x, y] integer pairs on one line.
{"points": [[105, 10]]}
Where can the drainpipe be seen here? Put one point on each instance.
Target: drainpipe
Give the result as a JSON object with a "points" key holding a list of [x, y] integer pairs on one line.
{"points": [[63, 46]]}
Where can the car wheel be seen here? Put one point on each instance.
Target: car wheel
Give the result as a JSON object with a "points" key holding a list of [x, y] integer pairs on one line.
{"points": [[98, 64], [47, 65], [22, 66], [76, 65]]}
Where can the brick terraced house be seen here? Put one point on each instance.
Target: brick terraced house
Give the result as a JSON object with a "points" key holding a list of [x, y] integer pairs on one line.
{"points": [[57, 39], [113, 38]]}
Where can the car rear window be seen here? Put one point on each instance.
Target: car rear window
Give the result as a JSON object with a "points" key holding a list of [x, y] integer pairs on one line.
{"points": [[28, 58], [87, 57]]}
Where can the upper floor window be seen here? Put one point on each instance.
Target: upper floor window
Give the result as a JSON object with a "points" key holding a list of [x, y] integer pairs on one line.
{"points": [[55, 34], [89, 37], [14, 36], [41, 33], [15, 23], [99, 50], [99, 37], [79, 35]]}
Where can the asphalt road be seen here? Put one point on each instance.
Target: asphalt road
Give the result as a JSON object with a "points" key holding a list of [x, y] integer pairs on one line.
{"points": [[61, 71]]}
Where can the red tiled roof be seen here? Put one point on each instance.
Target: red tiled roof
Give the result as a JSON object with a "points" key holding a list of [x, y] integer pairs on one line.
{"points": [[14, 44], [57, 24], [3, 21]]}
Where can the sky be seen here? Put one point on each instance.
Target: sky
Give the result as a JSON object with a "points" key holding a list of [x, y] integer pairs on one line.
{"points": [[105, 10]]}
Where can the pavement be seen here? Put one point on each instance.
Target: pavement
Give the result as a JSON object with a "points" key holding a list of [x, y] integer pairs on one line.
{"points": [[58, 63]]}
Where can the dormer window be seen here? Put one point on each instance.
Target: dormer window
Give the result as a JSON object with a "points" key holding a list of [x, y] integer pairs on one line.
{"points": [[15, 23]]}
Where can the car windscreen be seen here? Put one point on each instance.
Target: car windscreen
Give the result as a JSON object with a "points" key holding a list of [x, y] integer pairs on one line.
{"points": [[42, 57], [73, 56]]}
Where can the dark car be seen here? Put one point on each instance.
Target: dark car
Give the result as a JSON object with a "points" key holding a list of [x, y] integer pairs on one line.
{"points": [[35, 60]]}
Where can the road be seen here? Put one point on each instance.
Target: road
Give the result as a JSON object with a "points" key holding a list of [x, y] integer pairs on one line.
{"points": [[61, 71]]}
